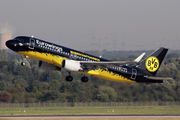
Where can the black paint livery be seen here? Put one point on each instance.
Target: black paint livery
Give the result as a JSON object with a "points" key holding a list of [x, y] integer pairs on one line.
{"points": [[55, 57]]}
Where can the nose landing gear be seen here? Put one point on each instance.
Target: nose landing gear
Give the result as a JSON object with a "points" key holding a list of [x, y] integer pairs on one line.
{"points": [[24, 60], [23, 63]]}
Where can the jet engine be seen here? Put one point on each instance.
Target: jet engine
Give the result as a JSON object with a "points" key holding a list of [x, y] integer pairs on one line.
{"points": [[47, 66], [71, 65]]}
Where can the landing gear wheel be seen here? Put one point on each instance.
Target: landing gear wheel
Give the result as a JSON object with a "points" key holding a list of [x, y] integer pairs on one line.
{"points": [[24, 60], [84, 79], [23, 63], [69, 78]]}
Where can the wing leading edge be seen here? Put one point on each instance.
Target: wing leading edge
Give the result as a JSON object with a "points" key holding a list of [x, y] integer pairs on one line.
{"points": [[107, 63], [112, 63]]}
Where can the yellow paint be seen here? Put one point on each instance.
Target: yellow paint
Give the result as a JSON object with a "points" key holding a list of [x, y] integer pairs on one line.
{"points": [[57, 60], [105, 74], [152, 64], [47, 57], [93, 72]]}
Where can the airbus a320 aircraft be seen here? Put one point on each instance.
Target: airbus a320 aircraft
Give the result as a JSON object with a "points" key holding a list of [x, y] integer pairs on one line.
{"points": [[56, 57]]}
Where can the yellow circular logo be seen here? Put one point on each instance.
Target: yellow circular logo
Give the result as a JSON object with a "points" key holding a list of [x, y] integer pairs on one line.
{"points": [[152, 64]]}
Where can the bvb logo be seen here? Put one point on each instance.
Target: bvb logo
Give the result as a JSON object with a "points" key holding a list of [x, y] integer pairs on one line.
{"points": [[152, 64]]}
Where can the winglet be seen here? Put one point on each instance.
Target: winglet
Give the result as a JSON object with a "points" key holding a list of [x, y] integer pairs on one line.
{"points": [[138, 59]]}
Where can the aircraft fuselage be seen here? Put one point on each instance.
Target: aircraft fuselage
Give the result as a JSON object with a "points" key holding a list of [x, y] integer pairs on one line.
{"points": [[55, 54]]}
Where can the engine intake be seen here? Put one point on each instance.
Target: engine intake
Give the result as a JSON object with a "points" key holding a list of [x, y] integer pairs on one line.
{"points": [[47, 66], [71, 65]]}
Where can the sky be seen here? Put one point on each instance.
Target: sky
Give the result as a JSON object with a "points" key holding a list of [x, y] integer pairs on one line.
{"points": [[96, 24]]}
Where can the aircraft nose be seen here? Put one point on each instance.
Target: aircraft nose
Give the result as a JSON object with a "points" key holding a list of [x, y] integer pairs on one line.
{"points": [[8, 43], [11, 44]]}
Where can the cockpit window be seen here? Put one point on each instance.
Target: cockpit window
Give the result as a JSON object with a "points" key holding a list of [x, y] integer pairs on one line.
{"points": [[19, 39]]}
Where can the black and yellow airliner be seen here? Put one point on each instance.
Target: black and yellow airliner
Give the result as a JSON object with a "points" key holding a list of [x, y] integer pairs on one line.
{"points": [[56, 57]]}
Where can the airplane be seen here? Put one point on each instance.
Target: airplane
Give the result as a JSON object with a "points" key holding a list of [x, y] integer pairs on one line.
{"points": [[55, 57]]}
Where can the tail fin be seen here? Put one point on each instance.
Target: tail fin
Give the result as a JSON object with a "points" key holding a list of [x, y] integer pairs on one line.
{"points": [[152, 63]]}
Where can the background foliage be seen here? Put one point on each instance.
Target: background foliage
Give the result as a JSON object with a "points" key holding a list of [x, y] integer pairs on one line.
{"points": [[30, 84]]}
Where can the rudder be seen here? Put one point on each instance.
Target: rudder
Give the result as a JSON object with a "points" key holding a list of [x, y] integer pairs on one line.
{"points": [[152, 63]]}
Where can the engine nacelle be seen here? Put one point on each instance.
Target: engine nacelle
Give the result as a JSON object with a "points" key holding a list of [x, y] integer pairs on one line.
{"points": [[47, 66], [71, 65]]}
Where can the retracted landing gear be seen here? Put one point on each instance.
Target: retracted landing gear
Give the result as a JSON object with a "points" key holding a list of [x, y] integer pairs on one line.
{"points": [[24, 60], [69, 78]]}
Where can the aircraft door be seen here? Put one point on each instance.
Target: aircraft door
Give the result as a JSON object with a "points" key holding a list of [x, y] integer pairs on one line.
{"points": [[31, 43], [134, 74]]}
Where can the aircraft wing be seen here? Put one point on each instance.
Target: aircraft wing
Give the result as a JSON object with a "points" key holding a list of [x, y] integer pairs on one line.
{"points": [[158, 78], [108, 63], [90, 64]]}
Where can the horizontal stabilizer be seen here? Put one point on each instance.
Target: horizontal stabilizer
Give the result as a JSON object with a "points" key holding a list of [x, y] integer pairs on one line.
{"points": [[158, 78]]}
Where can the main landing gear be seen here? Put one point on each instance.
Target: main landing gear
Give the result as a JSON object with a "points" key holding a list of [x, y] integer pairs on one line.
{"points": [[84, 79], [24, 60], [69, 78]]}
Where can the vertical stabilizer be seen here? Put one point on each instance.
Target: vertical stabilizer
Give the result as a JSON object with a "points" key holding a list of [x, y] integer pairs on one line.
{"points": [[152, 63]]}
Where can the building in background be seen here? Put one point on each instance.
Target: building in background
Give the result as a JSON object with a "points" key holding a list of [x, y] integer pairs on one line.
{"points": [[3, 38], [6, 32]]}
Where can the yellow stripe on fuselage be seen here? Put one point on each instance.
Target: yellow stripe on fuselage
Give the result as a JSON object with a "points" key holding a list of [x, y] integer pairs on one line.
{"points": [[47, 57], [57, 60], [108, 75]]}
